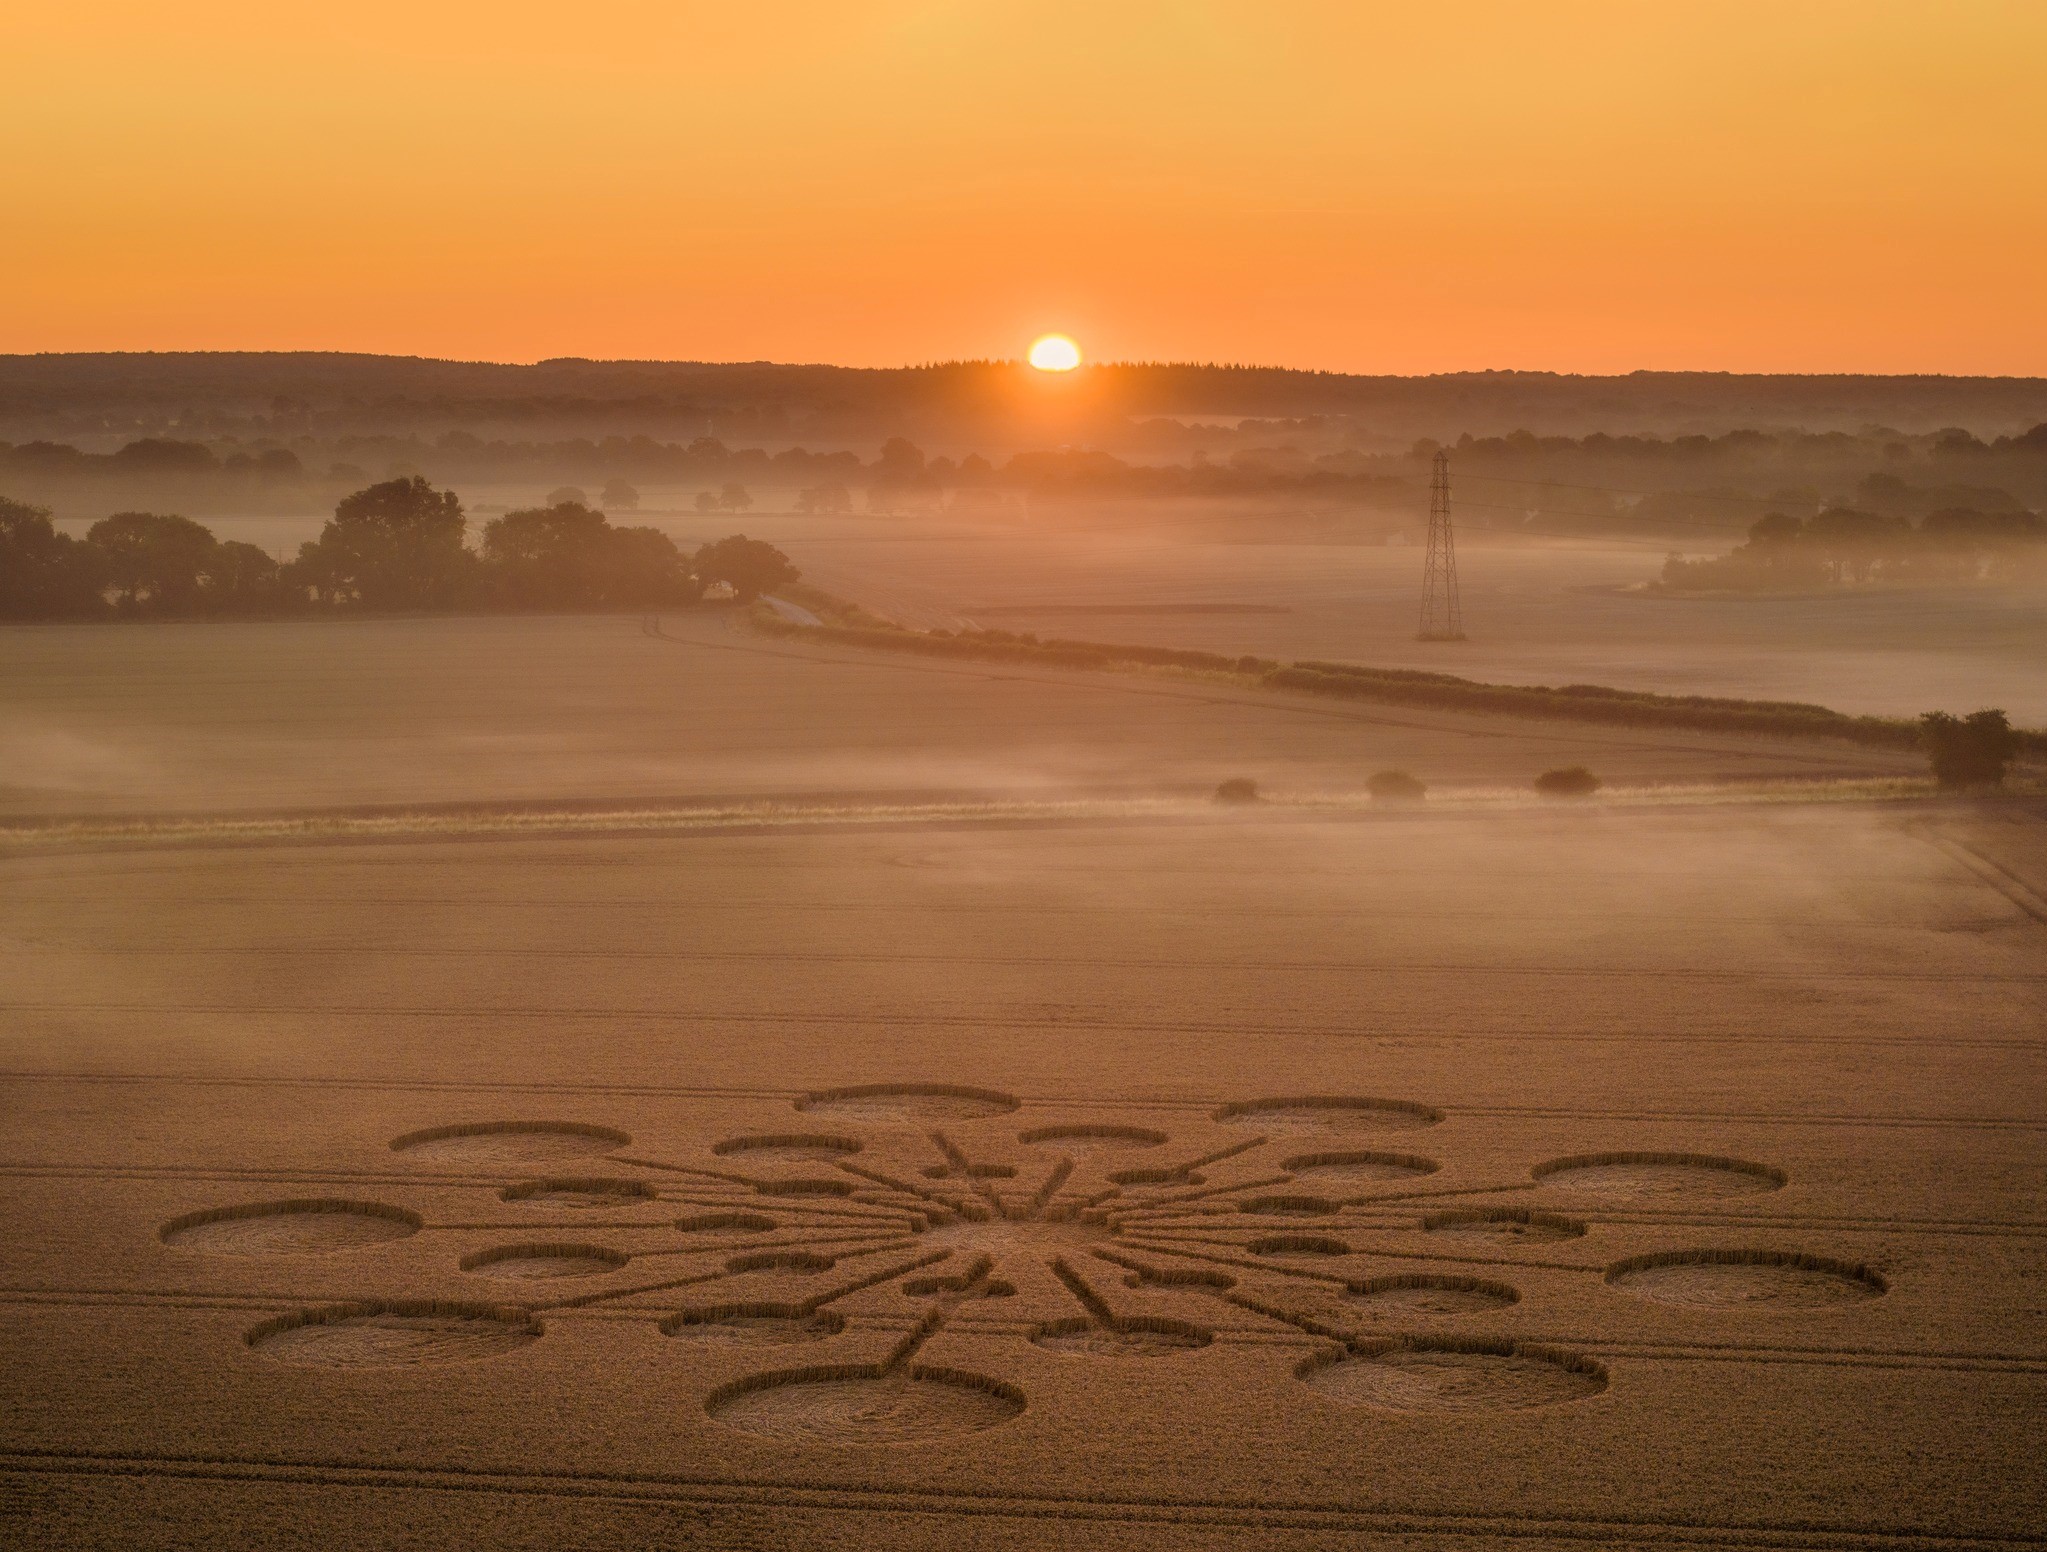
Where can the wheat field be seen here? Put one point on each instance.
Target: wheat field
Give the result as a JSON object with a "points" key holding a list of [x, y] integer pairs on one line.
{"points": [[1546, 1176]]}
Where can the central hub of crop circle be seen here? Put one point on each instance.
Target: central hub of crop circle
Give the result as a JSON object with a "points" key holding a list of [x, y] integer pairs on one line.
{"points": [[1002, 1237]]}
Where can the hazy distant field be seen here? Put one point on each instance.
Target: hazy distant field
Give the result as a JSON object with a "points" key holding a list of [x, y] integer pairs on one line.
{"points": [[1537, 612], [724, 1314], [118, 718], [1546, 613]]}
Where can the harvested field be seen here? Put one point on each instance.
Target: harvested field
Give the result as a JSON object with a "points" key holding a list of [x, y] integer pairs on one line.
{"points": [[1213, 1177]]}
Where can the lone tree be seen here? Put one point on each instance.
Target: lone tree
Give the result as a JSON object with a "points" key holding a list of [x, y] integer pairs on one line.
{"points": [[750, 567], [619, 496], [1970, 751], [733, 498], [397, 545]]}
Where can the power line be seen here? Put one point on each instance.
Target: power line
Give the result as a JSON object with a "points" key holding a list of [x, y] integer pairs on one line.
{"points": [[1442, 614]]}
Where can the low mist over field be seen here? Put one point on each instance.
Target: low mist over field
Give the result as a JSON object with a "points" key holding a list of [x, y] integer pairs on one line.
{"points": [[915, 778], [1270, 513], [1012, 977]]}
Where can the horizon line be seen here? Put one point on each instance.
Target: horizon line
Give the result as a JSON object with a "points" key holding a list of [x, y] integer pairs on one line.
{"points": [[1016, 363]]}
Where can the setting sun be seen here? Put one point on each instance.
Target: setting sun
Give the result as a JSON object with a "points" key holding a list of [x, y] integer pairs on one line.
{"points": [[1055, 353]]}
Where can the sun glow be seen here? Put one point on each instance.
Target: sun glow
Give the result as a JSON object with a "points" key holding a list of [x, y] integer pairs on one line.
{"points": [[1055, 353]]}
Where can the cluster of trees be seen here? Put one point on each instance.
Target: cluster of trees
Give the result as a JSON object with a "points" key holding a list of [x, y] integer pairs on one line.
{"points": [[398, 545], [1953, 442], [153, 457], [132, 562], [1843, 544], [1971, 751], [733, 498], [825, 500]]}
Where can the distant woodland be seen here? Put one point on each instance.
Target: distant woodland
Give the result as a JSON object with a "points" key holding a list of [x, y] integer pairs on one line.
{"points": [[993, 405], [1596, 484], [1694, 458]]}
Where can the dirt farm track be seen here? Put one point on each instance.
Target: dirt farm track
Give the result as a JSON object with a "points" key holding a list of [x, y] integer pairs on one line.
{"points": [[1531, 1177]]}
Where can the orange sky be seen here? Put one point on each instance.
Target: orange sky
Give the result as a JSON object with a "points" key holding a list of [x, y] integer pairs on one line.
{"points": [[1597, 186]]}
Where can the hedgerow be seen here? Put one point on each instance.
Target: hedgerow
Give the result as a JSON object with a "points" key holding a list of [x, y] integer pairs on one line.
{"points": [[848, 625]]}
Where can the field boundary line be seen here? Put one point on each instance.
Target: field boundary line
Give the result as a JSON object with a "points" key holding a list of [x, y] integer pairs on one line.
{"points": [[1075, 962], [174, 832], [1223, 1513], [1068, 1101], [1988, 869], [1296, 702], [1352, 912], [1632, 1036]]}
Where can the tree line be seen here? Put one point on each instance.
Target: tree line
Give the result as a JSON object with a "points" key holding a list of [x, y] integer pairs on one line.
{"points": [[1520, 482], [1844, 545], [401, 545]]}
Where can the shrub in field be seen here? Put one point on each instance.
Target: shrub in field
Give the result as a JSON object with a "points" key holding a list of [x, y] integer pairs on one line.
{"points": [[1395, 787], [1573, 781], [1970, 751], [1238, 789], [750, 567]]}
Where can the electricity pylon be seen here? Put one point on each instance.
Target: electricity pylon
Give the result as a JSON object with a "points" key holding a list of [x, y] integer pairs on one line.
{"points": [[1442, 615]]}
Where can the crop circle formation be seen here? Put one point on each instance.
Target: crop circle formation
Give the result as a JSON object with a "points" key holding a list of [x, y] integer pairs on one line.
{"points": [[877, 1233], [275, 1228]]}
